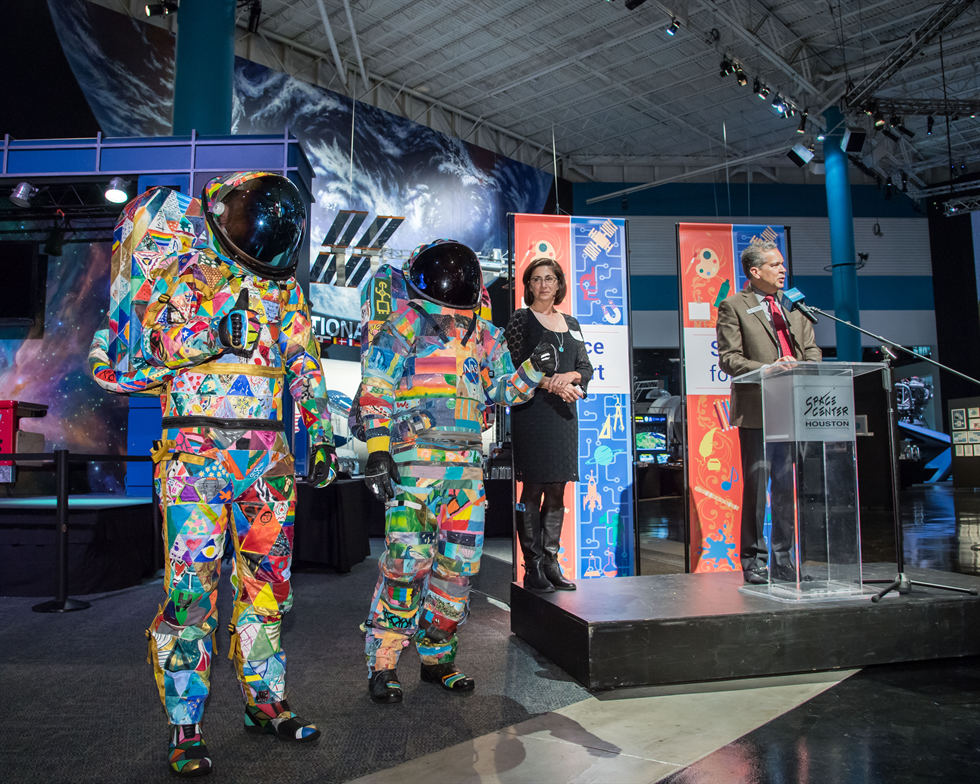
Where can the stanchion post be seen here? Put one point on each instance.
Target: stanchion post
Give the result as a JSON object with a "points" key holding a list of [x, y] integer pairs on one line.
{"points": [[61, 602]]}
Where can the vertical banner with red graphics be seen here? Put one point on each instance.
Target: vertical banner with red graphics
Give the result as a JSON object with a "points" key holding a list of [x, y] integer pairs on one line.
{"points": [[710, 270], [598, 534]]}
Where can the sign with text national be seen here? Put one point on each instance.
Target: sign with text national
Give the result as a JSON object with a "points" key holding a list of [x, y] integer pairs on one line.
{"points": [[598, 534], [709, 271]]}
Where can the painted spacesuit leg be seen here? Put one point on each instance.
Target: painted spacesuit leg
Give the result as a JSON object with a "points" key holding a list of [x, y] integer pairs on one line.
{"points": [[224, 469], [426, 379]]}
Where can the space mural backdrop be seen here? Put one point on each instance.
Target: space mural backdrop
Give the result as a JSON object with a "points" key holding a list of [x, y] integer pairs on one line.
{"points": [[444, 187]]}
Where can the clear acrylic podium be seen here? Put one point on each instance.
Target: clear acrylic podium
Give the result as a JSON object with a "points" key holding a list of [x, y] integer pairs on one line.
{"points": [[808, 425]]}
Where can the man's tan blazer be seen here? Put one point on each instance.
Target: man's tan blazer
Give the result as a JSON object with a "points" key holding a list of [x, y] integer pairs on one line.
{"points": [[746, 341]]}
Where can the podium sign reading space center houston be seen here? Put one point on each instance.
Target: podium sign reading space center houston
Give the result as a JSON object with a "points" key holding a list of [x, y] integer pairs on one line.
{"points": [[709, 271], [598, 534], [808, 426]]}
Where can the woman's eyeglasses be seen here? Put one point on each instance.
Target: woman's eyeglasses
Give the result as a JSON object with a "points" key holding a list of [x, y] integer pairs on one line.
{"points": [[537, 281]]}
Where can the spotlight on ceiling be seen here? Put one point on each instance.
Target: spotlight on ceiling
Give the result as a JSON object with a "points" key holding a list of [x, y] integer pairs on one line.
{"points": [[821, 136], [22, 194], [802, 126], [800, 155], [905, 181], [116, 192], [879, 120], [55, 241], [889, 188], [254, 14], [160, 9], [853, 140], [895, 121], [726, 67], [778, 105], [631, 4], [673, 27], [740, 76], [930, 121], [762, 91]]}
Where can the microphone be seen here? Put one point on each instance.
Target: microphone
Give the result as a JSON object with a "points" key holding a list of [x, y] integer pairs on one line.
{"points": [[796, 300]]}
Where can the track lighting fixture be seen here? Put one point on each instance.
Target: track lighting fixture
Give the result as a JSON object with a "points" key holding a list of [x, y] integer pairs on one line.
{"points": [[673, 27], [930, 121], [22, 194], [879, 119], [802, 126], [726, 67], [116, 192], [740, 76], [160, 9]]}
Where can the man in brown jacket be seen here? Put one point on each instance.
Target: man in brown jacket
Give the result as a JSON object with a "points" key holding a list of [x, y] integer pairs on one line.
{"points": [[755, 329]]}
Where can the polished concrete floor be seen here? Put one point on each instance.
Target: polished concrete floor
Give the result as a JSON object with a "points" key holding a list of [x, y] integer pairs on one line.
{"points": [[915, 722]]}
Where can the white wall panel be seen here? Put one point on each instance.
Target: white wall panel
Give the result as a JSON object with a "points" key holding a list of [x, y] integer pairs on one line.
{"points": [[903, 248]]}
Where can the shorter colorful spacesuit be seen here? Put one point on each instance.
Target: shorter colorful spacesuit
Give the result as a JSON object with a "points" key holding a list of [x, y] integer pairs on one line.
{"points": [[427, 377], [231, 326]]}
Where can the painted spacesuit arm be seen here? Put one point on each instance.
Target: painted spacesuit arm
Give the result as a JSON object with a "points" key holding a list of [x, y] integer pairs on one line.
{"points": [[382, 367], [177, 331], [503, 383], [301, 358], [138, 378]]}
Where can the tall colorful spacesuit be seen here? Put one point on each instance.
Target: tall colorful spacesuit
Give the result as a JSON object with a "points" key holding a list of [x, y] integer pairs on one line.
{"points": [[427, 377], [227, 326]]}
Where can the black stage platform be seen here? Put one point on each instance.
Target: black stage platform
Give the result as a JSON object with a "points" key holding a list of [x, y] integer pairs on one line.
{"points": [[111, 542], [647, 631]]}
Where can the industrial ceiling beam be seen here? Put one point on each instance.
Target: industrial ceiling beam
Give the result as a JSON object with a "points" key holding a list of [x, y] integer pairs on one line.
{"points": [[341, 71], [902, 54], [688, 175]]}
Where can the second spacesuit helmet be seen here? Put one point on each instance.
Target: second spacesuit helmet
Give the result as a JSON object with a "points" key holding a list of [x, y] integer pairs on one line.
{"points": [[258, 220], [448, 273]]}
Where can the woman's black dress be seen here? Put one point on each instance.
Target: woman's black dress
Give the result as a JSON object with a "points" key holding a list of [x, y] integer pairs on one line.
{"points": [[544, 431]]}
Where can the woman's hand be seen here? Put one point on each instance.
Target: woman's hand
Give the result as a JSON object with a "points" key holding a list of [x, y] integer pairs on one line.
{"points": [[562, 384]]}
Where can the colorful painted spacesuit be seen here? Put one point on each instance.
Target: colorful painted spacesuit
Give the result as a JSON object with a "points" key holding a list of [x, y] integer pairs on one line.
{"points": [[231, 324], [427, 377]]}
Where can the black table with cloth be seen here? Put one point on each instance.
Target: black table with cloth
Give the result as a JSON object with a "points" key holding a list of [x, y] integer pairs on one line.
{"points": [[333, 524]]}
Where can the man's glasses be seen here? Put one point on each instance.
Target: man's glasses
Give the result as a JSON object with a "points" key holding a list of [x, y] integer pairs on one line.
{"points": [[537, 281]]}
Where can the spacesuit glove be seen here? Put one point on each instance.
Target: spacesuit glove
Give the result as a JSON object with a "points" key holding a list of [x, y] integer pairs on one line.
{"points": [[323, 465], [543, 358], [381, 475], [239, 329]]}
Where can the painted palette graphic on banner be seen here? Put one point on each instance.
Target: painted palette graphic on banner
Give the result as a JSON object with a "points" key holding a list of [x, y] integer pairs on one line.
{"points": [[592, 254], [710, 271]]}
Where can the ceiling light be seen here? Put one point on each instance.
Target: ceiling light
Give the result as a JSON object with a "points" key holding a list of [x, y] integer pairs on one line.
{"points": [[821, 136], [879, 120], [116, 192], [802, 126], [905, 182], [673, 28], [895, 121], [763, 92], [800, 155], [160, 9], [22, 194], [930, 121], [726, 67]]}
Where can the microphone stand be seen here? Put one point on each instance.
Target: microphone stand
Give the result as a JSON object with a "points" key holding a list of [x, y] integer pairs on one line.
{"points": [[901, 582]]}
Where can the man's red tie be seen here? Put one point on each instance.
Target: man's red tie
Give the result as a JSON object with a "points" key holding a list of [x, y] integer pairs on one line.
{"points": [[779, 326]]}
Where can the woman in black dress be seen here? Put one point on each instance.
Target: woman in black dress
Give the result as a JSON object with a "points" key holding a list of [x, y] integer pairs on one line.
{"points": [[545, 430]]}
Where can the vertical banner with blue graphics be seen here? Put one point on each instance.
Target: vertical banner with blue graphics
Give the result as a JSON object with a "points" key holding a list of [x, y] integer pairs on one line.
{"points": [[598, 535], [605, 492]]}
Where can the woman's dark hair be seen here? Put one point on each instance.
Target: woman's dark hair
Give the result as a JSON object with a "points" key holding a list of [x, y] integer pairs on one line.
{"points": [[529, 271]]}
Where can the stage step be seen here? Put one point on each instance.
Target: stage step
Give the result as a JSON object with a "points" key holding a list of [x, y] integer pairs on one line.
{"points": [[683, 628]]}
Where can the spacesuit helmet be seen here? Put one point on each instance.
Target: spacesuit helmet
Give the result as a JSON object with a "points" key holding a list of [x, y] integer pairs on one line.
{"points": [[446, 272], [258, 220]]}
